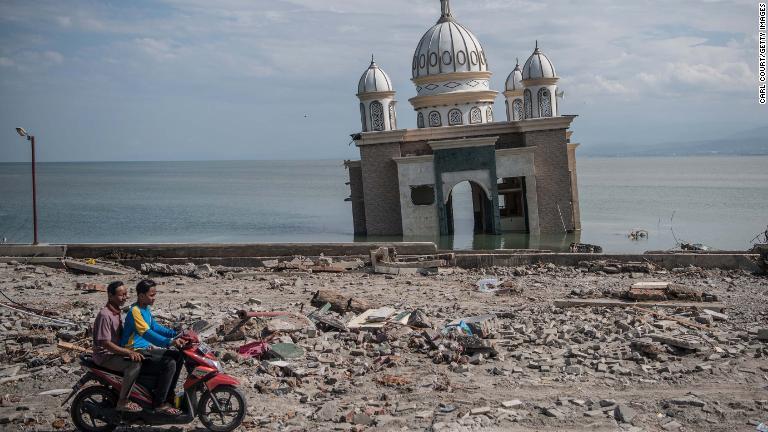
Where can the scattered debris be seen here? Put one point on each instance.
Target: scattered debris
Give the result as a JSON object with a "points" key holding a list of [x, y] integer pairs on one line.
{"points": [[584, 248], [189, 269], [91, 287], [638, 234], [339, 302], [410, 352], [384, 260]]}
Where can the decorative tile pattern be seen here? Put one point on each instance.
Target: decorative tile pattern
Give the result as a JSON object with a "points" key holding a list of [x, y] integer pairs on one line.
{"points": [[517, 106], [475, 116], [434, 119], [377, 116], [454, 117], [528, 104], [545, 103]]}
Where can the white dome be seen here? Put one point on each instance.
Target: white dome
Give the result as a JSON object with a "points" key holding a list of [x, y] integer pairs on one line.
{"points": [[538, 66], [374, 80], [448, 47], [515, 79]]}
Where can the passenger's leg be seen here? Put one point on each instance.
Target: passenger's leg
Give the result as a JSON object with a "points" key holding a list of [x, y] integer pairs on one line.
{"points": [[130, 371]]}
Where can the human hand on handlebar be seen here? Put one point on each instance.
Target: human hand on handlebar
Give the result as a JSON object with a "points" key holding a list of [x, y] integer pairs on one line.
{"points": [[178, 343]]}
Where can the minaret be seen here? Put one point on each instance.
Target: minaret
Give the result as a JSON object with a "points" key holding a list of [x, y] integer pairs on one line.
{"points": [[514, 93], [377, 100], [540, 82]]}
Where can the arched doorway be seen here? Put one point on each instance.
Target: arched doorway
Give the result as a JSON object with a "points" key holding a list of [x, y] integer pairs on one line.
{"points": [[468, 209]]}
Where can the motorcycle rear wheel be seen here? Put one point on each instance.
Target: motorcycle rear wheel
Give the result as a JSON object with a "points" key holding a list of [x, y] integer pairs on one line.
{"points": [[100, 397], [233, 408]]}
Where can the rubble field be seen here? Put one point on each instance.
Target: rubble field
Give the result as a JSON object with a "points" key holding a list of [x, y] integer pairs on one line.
{"points": [[541, 347]]}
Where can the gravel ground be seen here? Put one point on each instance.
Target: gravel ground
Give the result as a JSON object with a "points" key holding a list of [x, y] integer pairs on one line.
{"points": [[539, 367]]}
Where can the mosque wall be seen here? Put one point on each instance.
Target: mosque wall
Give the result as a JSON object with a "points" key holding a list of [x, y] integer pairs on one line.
{"points": [[554, 189], [380, 189], [419, 218], [356, 196]]}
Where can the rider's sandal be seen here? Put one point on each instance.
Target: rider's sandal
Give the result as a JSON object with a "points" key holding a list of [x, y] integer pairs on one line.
{"points": [[131, 407], [169, 410]]}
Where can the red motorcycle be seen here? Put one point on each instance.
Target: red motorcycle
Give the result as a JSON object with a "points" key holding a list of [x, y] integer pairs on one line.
{"points": [[221, 406]]}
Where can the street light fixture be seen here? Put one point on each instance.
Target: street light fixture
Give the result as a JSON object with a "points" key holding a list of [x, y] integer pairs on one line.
{"points": [[31, 139]]}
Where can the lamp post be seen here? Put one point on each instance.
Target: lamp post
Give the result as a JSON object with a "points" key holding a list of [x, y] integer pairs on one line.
{"points": [[31, 139]]}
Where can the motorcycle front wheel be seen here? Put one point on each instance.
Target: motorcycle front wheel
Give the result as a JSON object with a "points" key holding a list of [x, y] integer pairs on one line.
{"points": [[88, 406], [233, 408]]}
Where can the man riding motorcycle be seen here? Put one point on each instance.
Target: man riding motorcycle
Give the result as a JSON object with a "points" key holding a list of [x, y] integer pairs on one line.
{"points": [[142, 334], [107, 352]]}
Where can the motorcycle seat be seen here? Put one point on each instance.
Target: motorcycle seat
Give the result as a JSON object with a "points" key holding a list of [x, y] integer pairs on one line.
{"points": [[87, 360]]}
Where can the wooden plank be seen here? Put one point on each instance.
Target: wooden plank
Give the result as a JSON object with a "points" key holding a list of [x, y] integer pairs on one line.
{"points": [[72, 347], [339, 302], [650, 285], [565, 303], [361, 321]]}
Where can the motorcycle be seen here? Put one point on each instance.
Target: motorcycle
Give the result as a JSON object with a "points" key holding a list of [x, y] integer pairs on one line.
{"points": [[221, 406]]}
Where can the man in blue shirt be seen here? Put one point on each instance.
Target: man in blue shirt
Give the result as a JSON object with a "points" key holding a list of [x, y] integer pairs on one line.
{"points": [[143, 334]]}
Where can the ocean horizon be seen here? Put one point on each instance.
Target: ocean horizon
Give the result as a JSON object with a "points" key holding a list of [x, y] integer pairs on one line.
{"points": [[719, 201]]}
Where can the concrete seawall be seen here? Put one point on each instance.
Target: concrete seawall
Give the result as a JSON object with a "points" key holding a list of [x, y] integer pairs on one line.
{"points": [[252, 255]]}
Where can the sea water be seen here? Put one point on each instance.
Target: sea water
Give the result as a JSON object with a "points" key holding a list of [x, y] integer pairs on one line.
{"points": [[717, 201]]}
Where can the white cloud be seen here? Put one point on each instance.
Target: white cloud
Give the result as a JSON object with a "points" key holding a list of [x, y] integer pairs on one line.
{"points": [[160, 50], [53, 57], [64, 21]]}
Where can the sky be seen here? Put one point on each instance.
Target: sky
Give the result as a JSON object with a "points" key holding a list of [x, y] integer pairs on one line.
{"points": [[98, 80]]}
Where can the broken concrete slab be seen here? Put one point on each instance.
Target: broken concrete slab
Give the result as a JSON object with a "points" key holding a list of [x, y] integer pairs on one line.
{"points": [[624, 413], [94, 268], [680, 341]]}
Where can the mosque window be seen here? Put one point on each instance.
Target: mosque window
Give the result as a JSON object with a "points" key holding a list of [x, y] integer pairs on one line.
{"points": [[517, 106], [475, 116], [473, 57], [423, 195], [420, 120], [447, 58], [454, 117], [545, 103], [377, 116], [422, 61], [489, 115], [461, 58], [362, 117], [392, 118], [528, 104], [433, 59], [434, 119]]}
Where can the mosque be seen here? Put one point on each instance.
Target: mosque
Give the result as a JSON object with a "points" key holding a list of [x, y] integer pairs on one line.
{"points": [[522, 171]]}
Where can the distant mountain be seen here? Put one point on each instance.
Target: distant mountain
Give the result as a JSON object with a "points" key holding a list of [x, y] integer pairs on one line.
{"points": [[747, 143]]}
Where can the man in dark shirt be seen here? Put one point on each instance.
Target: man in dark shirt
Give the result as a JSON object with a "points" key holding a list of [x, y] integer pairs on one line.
{"points": [[107, 352]]}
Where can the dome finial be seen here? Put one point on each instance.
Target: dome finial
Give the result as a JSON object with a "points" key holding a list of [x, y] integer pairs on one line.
{"points": [[445, 11], [537, 44], [372, 61]]}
